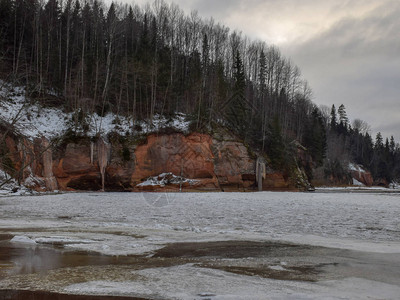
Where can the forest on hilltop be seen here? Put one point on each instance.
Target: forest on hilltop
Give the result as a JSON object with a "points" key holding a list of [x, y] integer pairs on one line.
{"points": [[89, 57]]}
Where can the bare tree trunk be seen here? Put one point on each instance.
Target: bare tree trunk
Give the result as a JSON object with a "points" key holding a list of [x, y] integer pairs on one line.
{"points": [[67, 46], [15, 44], [108, 67], [97, 73], [19, 48], [83, 60], [134, 98]]}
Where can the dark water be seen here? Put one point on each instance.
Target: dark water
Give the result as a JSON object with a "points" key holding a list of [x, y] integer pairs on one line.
{"points": [[303, 263], [18, 259], [40, 295]]}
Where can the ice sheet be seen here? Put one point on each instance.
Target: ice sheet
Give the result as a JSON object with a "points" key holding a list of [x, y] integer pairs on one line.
{"points": [[343, 220], [187, 282], [128, 223]]}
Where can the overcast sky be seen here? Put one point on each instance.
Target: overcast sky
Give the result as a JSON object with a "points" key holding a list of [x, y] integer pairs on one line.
{"points": [[348, 50]]}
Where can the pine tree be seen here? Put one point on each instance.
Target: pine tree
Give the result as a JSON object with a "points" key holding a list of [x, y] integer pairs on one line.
{"points": [[275, 145], [378, 142], [392, 145], [367, 151], [380, 168], [343, 119], [238, 111], [315, 137], [333, 117]]}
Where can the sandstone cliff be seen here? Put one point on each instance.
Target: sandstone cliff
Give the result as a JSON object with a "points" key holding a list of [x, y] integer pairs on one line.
{"points": [[121, 164]]}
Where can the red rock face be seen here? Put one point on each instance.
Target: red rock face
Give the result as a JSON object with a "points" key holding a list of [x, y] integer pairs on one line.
{"points": [[74, 169], [31, 160], [189, 157], [233, 166], [216, 165], [275, 181], [364, 177]]}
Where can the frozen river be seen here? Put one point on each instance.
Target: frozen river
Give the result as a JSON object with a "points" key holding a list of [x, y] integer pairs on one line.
{"points": [[204, 245]]}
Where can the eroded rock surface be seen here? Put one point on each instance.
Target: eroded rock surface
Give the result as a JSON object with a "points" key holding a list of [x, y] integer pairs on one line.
{"points": [[84, 164]]}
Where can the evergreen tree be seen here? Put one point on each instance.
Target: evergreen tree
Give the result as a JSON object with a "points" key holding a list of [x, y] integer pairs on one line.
{"points": [[6, 32], [315, 137], [275, 144], [367, 151], [144, 47], [238, 110], [378, 142], [380, 168], [392, 145], [333, 122], [343, 119]]}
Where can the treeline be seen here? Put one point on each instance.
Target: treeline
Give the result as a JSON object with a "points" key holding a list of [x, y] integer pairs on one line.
{"points": [[148, 61], [156, 60], [352, 142]]}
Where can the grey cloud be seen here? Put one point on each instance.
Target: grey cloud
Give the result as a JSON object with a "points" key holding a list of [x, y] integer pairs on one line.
{"points": [[357, 62], [216, 8]]}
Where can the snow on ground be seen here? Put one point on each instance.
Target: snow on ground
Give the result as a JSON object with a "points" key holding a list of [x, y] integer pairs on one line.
{"points": [[34, 120], [9, 186], [359, 188], [30, 120], [158, 122], [394, 185]]}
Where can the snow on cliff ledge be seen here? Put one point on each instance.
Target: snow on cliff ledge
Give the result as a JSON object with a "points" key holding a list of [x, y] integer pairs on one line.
{"points": [[360, 176], [355, 167], [33, 120]]}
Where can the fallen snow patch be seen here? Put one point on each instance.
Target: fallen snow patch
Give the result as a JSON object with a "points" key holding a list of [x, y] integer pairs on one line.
{"points": [[166, 179], [357, 183], [60, 240], [278, 268], [22, 239]]}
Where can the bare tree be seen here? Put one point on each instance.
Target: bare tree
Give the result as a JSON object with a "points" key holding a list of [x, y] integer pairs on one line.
{"points": [[361, 126]]}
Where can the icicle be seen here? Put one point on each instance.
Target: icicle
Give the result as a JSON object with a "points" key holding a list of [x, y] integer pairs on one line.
{"points": [[22, 151], [91, 152], [50, 180], [103, 150], [260, 172]]}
